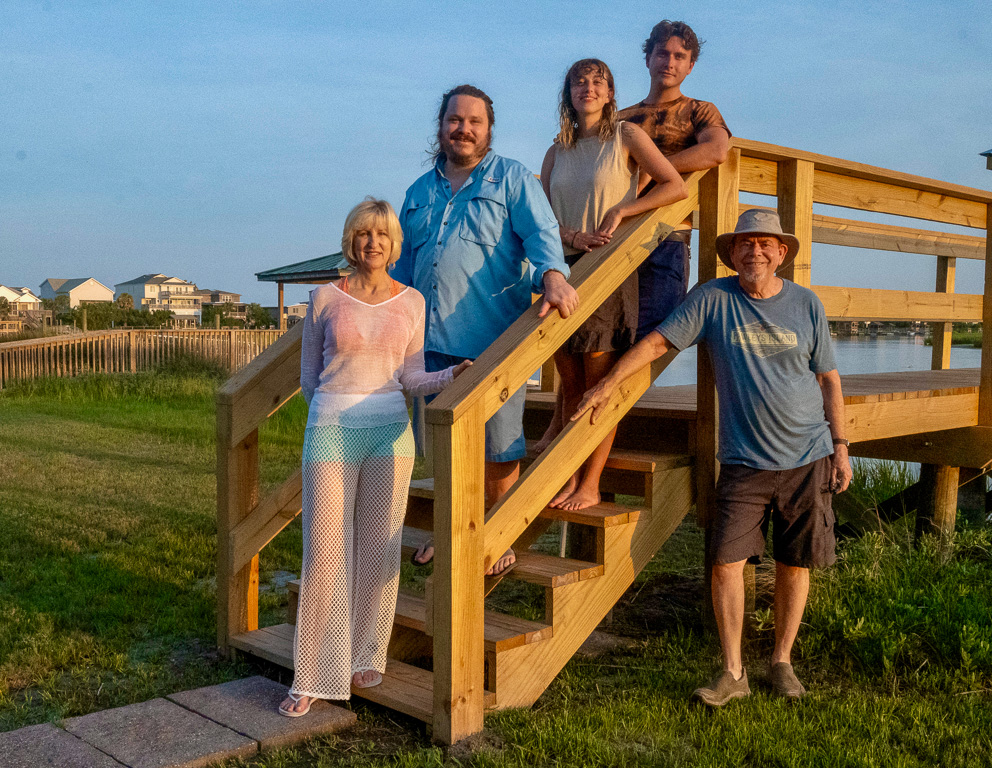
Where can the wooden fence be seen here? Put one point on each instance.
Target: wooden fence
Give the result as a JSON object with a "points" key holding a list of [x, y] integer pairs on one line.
{"points": [[120, 351]]}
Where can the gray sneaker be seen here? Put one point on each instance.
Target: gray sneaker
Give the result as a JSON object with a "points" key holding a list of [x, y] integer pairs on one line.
{"points": [[723, 689], [784, 681]]}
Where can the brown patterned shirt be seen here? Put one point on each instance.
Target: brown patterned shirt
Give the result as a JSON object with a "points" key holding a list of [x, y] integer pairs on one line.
{"points": [[674, 125]]}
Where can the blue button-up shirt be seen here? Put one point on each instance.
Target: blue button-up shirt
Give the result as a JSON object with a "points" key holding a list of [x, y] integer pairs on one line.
{"points": [[467, 252]]}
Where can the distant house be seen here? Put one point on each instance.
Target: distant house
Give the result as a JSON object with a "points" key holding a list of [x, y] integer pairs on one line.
{"points": [[20, 299], [213, 296], [26, 301], [24, 309], [155, 292], [292, 314], [80, 290]]}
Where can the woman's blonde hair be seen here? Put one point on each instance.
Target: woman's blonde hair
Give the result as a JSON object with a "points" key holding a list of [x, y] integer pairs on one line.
{"points": [[569, 132], [367, 215]]}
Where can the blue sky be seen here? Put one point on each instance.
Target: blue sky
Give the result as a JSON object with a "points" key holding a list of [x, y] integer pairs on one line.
{"points": [[213, 140]]}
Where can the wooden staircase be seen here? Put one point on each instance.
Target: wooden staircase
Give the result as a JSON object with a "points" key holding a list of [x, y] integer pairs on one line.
{"points": [[522, 656]]}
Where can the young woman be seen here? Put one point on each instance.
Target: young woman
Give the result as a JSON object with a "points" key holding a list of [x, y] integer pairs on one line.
{"points": [[590, 175], [363, 345]]}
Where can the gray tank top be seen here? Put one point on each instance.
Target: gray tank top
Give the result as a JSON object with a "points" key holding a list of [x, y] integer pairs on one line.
{"points": [[587, 180]]}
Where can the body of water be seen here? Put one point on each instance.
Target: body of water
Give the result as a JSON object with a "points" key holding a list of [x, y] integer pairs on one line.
{"points": [[858, 354]]}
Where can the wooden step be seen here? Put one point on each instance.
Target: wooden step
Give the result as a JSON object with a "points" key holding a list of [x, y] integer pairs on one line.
{"points": [[532, 567], [502, 632], [422, 489], [632, 461], [404, 688], [603, 515], [413, 539], [608, 512], [551, 570]]}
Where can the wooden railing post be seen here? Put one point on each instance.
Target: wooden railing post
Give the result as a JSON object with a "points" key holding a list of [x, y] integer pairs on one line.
{"points": [[985, 386], [940, 333], [458, 607], [237, 495], [938, 511], [133, 351], [232, 361], [795, 209], [719, 200], [719, 193]]}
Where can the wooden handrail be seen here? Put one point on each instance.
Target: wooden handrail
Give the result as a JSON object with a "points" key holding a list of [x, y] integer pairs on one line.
{"points": [[520, 350], [63, 338], [774, 153], [260, 388], [511, 516]]}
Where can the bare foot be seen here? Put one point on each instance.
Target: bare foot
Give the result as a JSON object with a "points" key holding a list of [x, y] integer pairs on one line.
{"points": [[424, 554], [295, 706], [501, 565], [567, 490], [581, 499]]}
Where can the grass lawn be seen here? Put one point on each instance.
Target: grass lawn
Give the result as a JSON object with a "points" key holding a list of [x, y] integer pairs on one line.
{"points": [[107, 598]]}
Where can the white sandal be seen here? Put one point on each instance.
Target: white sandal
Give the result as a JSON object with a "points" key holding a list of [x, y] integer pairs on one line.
{"points": [[296, 700], [371, 684]]}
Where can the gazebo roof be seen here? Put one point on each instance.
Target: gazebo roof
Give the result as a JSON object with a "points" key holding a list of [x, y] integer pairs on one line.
{"points": [[320, 269]]}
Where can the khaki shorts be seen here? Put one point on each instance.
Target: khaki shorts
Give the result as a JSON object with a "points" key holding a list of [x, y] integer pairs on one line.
{"points": [[796, 501]]}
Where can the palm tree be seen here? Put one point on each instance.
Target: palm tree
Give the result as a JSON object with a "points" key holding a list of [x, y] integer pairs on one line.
{"points": [[125, 301], [4, 308]]}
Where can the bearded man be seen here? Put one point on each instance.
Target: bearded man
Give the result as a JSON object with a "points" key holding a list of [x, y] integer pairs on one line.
{"points": [[470, 226]]}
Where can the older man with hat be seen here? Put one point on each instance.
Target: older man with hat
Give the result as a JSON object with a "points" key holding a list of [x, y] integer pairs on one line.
{"points": [[782, 448]]}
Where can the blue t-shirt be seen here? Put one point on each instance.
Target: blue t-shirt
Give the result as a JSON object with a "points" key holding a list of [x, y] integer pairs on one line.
{"points": [[765, 355]]}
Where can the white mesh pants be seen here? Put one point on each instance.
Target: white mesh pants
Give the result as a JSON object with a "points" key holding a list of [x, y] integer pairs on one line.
{"points": [[355, 486]]}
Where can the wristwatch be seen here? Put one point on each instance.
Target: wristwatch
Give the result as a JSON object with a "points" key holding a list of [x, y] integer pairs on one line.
{"points": [[842, 441]]}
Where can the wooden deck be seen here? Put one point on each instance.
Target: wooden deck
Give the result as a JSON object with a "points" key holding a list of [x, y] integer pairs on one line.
{"points": [[877, 405], [942, 418]]}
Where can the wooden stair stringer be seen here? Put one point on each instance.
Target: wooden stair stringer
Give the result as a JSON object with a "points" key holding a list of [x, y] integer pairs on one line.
{"points": [[519, 676]]}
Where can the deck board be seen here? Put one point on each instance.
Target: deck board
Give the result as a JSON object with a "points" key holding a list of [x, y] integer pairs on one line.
{"points": [[877, 405], [680, 401]]}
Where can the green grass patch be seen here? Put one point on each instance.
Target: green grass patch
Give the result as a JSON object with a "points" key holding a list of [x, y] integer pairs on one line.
{"points": [[107, 597]]}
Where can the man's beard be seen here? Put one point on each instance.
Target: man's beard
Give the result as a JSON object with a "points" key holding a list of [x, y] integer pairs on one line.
{"points": [[478, 153]]}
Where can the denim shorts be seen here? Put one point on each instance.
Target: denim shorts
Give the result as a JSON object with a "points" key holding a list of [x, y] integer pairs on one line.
{"points": [[505, 430], [663, 280]]}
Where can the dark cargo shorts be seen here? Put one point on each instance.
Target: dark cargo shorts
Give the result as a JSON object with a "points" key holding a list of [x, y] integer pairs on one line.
{"points": [[796, 501]]}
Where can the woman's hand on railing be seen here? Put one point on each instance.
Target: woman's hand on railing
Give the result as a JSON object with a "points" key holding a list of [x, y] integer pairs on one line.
{"points": [[586, 241], [461, 368], [611, 220]]}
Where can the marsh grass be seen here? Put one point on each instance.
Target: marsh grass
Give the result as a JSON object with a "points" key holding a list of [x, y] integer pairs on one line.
{"points": [[107, 597]]}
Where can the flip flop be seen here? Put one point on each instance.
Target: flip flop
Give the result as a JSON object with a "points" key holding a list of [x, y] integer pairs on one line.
{"points": [[502, 572], [296, 700], [374, 682], [417, 563]]}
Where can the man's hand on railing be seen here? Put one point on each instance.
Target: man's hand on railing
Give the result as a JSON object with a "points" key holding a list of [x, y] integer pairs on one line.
{"points": [[558, 294], [644, 352], [595, 399]]}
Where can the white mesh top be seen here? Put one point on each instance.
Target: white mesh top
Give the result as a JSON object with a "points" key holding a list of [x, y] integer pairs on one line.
{"points": [[357, 358]]}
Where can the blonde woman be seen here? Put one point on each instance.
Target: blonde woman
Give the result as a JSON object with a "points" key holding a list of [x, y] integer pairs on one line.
{"points": [[363, 342], [590, 175]]}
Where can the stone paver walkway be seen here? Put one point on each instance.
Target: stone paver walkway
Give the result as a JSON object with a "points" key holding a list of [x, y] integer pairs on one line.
{"points": [[185, 730]]}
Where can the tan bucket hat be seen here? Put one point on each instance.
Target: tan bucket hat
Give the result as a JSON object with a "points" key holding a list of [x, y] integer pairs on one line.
{"points": [[758, 221]]}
